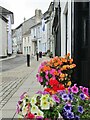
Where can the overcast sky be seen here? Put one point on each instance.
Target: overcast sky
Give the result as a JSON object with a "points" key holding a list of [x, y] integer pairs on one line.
{"points": [[24, 8]]}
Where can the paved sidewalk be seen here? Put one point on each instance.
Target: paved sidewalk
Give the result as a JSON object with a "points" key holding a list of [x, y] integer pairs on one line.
{"points": [[25, 81], [13, 56]]}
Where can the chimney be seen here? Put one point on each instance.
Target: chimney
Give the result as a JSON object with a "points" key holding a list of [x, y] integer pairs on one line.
{"points": [[38, 15]]}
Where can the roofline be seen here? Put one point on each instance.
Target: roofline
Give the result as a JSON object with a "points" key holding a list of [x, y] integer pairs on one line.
{"points": [[7, 12], [36, 24], [19, 26], [3, 18]]}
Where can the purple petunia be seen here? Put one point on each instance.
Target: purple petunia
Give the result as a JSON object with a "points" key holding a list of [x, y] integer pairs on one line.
{"points": [[71, 96], [82, 96], [68, 108], [65, 97], [69, 89], [55, 98], [80, 109], [70, 115], [77, 117]]}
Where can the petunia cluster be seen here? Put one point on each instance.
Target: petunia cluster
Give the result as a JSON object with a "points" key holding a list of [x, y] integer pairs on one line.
{"points": [[57, 68], [41, 105], [74, 103]]}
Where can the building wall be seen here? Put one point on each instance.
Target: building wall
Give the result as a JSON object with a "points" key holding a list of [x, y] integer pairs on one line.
{"points": [[36, 38], [9, 35], [65, 6], [19, 39], [44, 39], [3, 38]]}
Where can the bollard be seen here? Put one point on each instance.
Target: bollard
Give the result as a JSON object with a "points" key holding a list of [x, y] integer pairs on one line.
{"points": [[28, 60], [40, 54], [37, 56]]}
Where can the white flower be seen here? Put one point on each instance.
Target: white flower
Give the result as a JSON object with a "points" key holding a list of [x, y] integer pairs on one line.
{"points": [[34, 109], [40, 113], [33, 101], [45, 105], [24, 110], [45, 97], [52, 102]]}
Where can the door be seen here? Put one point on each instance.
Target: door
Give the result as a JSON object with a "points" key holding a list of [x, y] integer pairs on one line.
{"points": [[81, 43]]}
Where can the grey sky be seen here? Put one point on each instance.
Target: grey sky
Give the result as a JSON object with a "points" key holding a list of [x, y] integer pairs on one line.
{"points": [[24, 8]]}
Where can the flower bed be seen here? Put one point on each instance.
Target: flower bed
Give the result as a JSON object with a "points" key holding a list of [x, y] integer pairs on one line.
{"points": [[59, 99]]}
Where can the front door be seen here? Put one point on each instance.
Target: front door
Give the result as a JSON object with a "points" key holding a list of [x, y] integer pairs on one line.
{"points": [[81, 43]]}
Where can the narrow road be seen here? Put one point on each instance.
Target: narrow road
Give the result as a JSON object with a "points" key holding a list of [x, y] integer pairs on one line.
{"points": [[12, 63]]}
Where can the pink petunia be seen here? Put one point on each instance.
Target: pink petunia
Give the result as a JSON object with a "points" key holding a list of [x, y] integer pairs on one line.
{"points": [[56, 98], [23, 95], [74, 89], [40, 79], [59, 71], [46, 76], [85, 90], [52, 71], [46, 83]]}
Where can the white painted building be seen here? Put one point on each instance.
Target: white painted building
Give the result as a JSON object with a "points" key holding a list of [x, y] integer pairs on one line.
{"points": [[36, 38], [48, 16], [14, 42], [6, 36], [27, 43], [3, 36]]}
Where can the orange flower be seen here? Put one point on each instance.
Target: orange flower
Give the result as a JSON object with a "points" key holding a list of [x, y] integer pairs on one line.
{"points": [[64, 60], [68, 54], [55, 73], [72, 66], [71, 60], [45, 68], [56, 64], [69, 83], [59, 62], [62, 75], [64, 67]]}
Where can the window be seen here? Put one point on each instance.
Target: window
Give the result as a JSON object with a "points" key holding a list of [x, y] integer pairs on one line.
{"points": [[28, 39], [29, 48], [24, 50], [25, 40]]}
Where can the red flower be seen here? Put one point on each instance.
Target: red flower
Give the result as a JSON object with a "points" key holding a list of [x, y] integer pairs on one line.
{"points": [[53, 82], [61, 87], [58, 87], [47, 89], [50, 90], [30, 115]]}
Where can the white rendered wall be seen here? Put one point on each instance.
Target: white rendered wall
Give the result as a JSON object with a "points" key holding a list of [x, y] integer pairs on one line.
{"points": [[3, 38]]}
